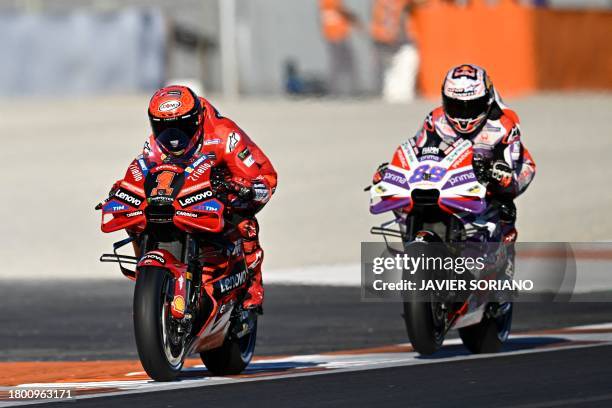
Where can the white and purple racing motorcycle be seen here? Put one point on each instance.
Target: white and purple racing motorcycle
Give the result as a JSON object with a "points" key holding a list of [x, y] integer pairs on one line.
{"points": [[441, 210]]}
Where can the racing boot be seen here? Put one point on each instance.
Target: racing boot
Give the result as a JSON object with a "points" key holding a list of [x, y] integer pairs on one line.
{"points": [[249, 230], [255, 292]]}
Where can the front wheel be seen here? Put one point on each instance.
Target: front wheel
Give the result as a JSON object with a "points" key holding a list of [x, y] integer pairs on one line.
{"points": [[233, 356], [160, 346], [424, 324], [425, 319], [489, 335]]}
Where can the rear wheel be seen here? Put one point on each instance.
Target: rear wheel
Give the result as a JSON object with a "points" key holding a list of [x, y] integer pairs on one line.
{"points": [[160, 346], [489, 335], [233, 356]]}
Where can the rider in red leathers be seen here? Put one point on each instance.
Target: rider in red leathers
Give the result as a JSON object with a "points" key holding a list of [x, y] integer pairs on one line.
{"points": [[183, 125], [472, 109]]}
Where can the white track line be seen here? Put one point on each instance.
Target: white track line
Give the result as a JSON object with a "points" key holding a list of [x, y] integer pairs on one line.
{"points": [[331, 364]]}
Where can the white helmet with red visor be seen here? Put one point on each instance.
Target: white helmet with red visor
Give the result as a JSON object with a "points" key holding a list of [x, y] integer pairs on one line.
{"points": [[467, 97]]}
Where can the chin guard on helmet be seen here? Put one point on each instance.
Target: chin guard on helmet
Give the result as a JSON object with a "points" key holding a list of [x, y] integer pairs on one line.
{"points": [[467, 97], [466, 126]]}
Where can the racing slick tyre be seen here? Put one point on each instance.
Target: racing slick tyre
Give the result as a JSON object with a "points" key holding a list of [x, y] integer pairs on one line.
{"points": [[425, 321], [489, 335], [233, 356], [160, 352], [425, 335]]}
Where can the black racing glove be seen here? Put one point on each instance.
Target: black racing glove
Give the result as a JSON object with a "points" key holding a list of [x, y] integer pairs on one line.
{"points": [[498, 173], [482, 169], [501, 174], [244, 193], [379, 174]]}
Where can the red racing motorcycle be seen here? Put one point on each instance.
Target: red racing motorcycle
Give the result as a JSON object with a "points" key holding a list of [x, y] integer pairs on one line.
{"points": [[190, 270]]}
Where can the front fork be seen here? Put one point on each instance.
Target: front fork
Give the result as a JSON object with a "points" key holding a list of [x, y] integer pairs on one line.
{"points": [[186, 285], [185, 300]]}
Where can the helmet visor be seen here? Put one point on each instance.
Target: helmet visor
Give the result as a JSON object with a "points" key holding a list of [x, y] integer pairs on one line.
{"points": [[188, 125], [173, 141], [470, 109]]}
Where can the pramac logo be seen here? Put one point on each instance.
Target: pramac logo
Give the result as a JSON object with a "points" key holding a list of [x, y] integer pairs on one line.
{"points": [[170, 105]]}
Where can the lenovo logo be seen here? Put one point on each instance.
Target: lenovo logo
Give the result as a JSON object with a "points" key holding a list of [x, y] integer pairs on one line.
{"points": [[195, 198]]}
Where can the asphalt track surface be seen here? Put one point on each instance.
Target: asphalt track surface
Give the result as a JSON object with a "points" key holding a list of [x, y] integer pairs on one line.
{"points": [[92, 321], [575, 378]]}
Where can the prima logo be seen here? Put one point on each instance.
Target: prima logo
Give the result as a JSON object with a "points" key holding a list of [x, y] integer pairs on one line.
{"points": [[395, 178], [462, 178]]}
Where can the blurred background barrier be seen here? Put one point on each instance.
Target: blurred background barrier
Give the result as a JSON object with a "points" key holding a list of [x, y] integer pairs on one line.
{"points": [[82, 52], [573, 49], [524, 49], [274, 47]]}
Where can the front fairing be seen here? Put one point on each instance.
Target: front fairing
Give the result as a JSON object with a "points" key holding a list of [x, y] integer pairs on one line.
{"points": [[178, 194], [449, 177]]}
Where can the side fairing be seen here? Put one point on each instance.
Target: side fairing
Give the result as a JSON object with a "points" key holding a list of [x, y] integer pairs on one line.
{"points": [[125, 208]]}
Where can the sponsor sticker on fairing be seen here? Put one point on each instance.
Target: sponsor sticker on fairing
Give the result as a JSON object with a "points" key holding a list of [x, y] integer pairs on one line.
{"points": [[187, 214], [194, 175], [143, 166], [231, 282], [395, 178], [430, 150], [195, 198], [127, 197], [161, 200], [153, 257], [195, 164], [209, 206], [460, 178], [135, 172], [178, 304], [114, 206]]}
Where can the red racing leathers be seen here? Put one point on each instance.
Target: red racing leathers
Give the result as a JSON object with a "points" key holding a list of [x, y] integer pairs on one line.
{"points": [[231, 150]]}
